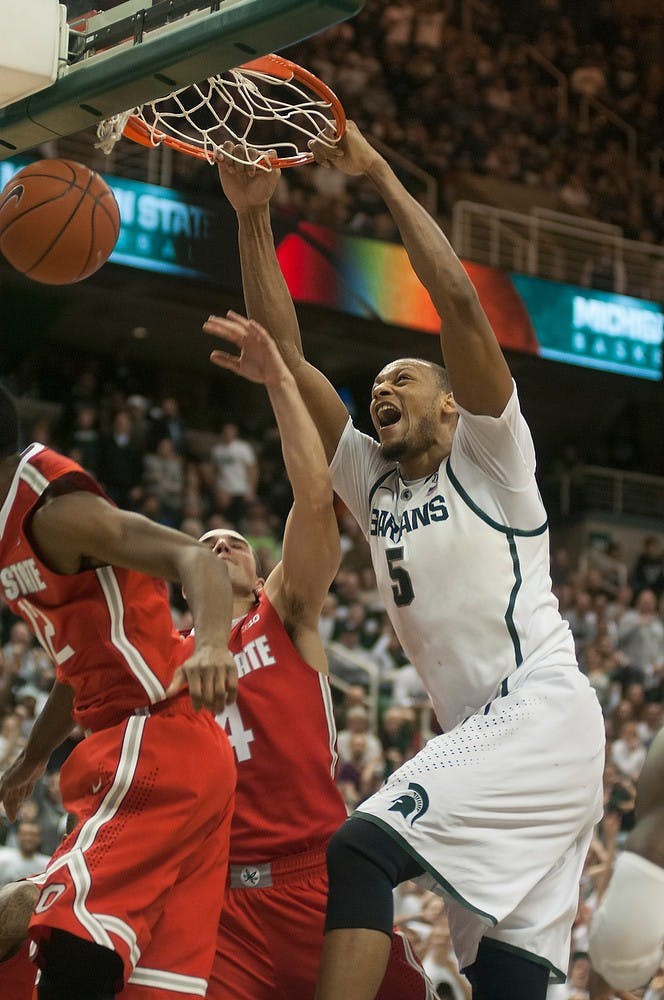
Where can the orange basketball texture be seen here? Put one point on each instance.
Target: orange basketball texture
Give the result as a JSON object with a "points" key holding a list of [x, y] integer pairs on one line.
{"points": [[59, 221]]}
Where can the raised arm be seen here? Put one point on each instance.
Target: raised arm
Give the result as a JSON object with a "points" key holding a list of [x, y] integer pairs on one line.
{"points": [[479, 375], [268, 301], [310, 556], [80, 530]]}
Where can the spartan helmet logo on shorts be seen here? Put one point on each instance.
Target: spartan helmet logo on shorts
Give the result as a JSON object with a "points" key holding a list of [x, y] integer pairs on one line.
{"points": [[415, 800]]}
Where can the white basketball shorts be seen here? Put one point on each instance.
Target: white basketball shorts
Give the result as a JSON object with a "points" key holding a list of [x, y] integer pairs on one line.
{"points": [[500, 812]]}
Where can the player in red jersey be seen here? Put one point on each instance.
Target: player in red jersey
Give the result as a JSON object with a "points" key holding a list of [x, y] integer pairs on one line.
{"points": [[17, 975], [17, 972], [133, 893], [282, 726]]}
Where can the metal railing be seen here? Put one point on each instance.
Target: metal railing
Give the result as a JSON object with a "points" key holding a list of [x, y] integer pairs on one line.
{"points": [[579, 244], [126, 159], [156, 166], [561, 80], [468, 10], [594, 488], [429, 198], [591, 109], [345, 667], [559, 247]]}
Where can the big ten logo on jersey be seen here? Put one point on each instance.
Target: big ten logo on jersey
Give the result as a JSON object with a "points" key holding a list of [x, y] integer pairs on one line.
{"points": [[254, 655], [384, 524], [21, 578]]}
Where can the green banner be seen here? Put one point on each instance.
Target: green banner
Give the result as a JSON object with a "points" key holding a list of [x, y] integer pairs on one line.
{"points": [[580, 326]]}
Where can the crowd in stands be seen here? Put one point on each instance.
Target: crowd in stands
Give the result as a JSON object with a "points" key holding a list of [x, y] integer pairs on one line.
{"points": [[149, 460], [463, 97], [454, 99]]}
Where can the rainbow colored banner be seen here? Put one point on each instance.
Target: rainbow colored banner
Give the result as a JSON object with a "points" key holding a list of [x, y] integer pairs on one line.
{"points": [[374, 279], [579, 326], [185, 235]]}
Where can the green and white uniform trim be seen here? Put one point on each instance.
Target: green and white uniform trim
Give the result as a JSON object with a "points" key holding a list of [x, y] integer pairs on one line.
{"points": [[461, 558], [514, 785]]}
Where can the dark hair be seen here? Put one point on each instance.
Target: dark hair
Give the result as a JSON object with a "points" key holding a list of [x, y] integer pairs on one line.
{"points": [[258, 562], [8, 425], [441, 375]]}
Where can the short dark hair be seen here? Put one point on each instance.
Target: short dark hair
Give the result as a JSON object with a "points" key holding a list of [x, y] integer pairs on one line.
{"points": [[441, 375], [258, 562], [8, 425]]}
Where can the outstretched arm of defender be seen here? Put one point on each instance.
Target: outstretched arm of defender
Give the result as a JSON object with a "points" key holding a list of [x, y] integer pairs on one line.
{"points": [[311, 552], [479, 375], [266, 293]]}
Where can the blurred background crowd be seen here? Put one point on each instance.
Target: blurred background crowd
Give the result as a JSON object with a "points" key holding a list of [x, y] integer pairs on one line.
{"points": [[499, 90], [495, 90]]}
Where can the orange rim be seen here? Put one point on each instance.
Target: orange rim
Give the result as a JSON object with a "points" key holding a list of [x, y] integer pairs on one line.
{"points": [[272, 65]]}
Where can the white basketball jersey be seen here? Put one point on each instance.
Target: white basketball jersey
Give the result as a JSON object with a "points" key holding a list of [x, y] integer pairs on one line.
{"points": [[461, 558]]}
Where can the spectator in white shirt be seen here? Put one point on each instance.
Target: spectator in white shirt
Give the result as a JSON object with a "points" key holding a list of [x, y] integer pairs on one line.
{"points": [[24, 860], [408, 690], [357, 721], [236, 469], [641, 637], [628, 752], [651, 721]]}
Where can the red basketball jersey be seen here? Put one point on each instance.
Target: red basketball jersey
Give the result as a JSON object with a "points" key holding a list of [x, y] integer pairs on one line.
{"points": [[283, 733], [108, 630]]}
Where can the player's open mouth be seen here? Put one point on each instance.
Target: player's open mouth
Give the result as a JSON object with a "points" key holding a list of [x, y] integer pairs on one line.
{"points": [[387, 414]]}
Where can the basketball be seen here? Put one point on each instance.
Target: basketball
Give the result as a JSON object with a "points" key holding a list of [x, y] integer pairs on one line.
{"points": [[59, 221]]}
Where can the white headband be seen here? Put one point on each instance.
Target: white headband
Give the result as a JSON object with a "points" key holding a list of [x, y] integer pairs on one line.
{"points": [[217, 533]]}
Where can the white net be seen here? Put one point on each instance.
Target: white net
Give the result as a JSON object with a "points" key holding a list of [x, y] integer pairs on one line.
{"points": [[110, 130], [251, 109]]}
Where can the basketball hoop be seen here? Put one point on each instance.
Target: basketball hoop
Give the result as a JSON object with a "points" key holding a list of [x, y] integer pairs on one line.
{"points": [[242, 106]]}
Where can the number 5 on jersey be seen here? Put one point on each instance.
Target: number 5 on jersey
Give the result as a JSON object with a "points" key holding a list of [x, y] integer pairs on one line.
{"points": [[240, 738], [403, 587]]}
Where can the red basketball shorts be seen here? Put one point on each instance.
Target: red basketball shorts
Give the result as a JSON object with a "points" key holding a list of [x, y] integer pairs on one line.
{"points": [[271, 936], [144, 872], [17, 976]]}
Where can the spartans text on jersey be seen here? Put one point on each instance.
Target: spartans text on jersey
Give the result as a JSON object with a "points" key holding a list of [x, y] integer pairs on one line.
{"points": [[383, 522]]}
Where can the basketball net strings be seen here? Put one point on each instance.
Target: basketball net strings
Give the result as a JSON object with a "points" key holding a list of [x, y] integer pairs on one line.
{"points": [[235, 96]]}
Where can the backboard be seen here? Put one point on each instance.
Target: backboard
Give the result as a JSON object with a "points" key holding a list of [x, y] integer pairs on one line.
{"points": [[144, 49]]}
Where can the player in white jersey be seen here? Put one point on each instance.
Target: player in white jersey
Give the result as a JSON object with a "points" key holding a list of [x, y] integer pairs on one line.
{"points": [[626, 941], [497, 813]]}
